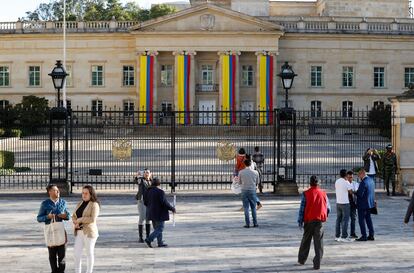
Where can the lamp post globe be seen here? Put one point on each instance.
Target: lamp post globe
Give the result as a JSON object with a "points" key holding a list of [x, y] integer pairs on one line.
{"points": [[58, 75], [287, 76]]}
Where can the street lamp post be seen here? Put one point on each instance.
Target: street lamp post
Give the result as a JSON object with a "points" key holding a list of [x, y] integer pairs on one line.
{"points": [[58, 75], [58, 138], [287, 75]]}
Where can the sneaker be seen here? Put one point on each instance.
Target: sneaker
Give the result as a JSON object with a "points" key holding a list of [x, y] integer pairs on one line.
{"points": [[163, 245], [259, 206], [370, 238], [345, 240], [256, 225], [361, 239], [353, 236], [148, 243], [246, 226], [337, 239]]}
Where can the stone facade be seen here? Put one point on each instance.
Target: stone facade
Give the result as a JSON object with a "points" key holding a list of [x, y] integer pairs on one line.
{"points": [[319, 48]]}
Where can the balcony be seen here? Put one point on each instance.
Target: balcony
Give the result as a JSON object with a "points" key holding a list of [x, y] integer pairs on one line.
{"points": [[207, 87]]}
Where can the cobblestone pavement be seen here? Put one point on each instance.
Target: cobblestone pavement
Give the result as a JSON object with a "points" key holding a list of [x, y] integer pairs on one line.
{"points": [[208, 237]]}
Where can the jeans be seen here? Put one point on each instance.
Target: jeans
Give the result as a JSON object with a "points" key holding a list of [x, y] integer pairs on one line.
{"points": [[342, 219], [364, 216], [57, 258], [82, 241], [312, 230], [353, 219], [157, 233], [249, 198]]}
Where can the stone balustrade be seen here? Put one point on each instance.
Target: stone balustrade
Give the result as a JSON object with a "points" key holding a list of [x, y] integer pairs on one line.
{"points": [[71, 26], [290, 23]]}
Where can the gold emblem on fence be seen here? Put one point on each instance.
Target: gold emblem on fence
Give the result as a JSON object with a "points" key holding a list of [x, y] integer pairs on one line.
{"points": [[226, 151], [122, 149]]}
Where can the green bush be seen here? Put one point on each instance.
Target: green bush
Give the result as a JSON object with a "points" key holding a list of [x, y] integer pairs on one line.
{"points": [[15, 133], [6, 160], [381, 118]]}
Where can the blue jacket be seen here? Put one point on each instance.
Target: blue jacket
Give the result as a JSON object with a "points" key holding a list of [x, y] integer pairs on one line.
{"points": [[157, 205], [48, 206], [365, 193]]}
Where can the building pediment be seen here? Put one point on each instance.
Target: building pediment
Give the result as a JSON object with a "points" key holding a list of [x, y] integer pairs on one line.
{"points": [[208, 18]]}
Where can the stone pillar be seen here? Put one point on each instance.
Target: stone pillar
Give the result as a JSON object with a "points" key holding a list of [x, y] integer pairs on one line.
{"points": [[403, 139], [274, 75], [191, 54], [154, 80], [237, 85]]}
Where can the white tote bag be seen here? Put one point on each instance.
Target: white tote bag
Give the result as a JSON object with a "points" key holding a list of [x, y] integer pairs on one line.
{"points": [[235, 186], [55, 234]]}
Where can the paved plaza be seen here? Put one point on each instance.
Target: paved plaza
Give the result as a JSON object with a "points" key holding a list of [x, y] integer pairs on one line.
{"points": [[208, 237]]}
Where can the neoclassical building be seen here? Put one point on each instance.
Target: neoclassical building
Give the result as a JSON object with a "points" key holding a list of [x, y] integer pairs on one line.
{"points": [[220, 54]]}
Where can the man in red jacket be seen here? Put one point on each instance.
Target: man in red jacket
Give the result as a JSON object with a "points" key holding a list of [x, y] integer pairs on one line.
{"points": [[314, 210]]}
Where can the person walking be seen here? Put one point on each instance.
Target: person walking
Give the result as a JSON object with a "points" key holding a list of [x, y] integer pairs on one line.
{"points": [[370, 159], [258, 159], [313, 212], [157, 212], [248, 180], [342, 189], [85, 228], [144, 182], [410, 210], [365, 201], [54, 208], [389, 169], [352, 202]]}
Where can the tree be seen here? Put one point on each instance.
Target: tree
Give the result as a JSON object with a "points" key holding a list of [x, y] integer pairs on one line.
{"points": [[32, 113], [96, 10], [381, 118]]}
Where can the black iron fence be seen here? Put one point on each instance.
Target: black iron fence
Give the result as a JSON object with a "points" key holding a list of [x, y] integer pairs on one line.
{"points": [[190, 151]]}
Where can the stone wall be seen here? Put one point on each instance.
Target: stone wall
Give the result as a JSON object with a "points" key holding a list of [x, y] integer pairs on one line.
{"points": [[364, 8], [283, 8]]}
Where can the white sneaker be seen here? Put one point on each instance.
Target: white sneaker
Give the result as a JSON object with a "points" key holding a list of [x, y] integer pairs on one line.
{"points": [[337, 239], [345, 240]]}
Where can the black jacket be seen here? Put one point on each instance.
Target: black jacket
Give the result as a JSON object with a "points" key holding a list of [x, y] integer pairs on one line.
{"points": [[410, 210], [157, 205], [375, 157]]}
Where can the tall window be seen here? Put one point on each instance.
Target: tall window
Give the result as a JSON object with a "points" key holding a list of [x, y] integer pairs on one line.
{"points": [[69, 78], [128, 73], [129, 108], [34, 75], [97, 108], [316, 76], [3, 104], [167, 75], [378, 105], [97, 75], [347, 76], [4, 76], [347, 109], [408, 76], [166, 108], [207, 74], [316, 108], [247, 75], [379, 76]]}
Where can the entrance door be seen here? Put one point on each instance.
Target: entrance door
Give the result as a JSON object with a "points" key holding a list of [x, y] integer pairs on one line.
{"points": [[207, 114]]}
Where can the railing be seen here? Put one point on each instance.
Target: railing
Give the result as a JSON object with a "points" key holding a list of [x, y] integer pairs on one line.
{"points": [[290, 24], [207, 87], [344, 24]]}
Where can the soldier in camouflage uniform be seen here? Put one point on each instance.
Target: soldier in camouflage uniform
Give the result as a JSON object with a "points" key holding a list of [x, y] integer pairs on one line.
{"points": [[389, 169]]}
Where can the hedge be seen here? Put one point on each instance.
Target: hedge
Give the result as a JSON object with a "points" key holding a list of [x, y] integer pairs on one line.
{"points": [[6, 160]]}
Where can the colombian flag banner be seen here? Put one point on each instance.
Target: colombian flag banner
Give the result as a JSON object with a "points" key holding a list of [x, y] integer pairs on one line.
{"points": [[146, 89], [183, 84], [266, 89], [228, 69]]}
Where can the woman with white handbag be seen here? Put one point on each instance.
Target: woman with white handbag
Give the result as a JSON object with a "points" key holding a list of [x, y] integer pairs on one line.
{"points": [[86, 230], [52, 212]]}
